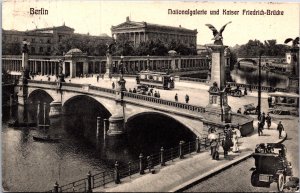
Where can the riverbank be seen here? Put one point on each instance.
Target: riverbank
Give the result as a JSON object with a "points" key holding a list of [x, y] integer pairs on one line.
{"points": [[182, 173]]}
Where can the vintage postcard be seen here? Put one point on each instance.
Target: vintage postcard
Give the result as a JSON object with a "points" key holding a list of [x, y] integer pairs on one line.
{"points": [[150, 96]]}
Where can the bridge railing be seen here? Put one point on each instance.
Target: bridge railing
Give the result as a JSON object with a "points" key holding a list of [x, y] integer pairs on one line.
{"points": [[165, 102], [41, 82], [145, 164], [194, 79], [255, 87], [75, 85], [108, 90]]}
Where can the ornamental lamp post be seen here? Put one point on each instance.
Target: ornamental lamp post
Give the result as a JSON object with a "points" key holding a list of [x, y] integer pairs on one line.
{"points": [[259, 83], [122, 67], [148, 62], [260, 53]]}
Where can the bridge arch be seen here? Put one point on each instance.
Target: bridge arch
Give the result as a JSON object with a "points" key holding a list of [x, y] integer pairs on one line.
{"points": [[80, 114], [40, 95], [247, 60], [152, 130]]}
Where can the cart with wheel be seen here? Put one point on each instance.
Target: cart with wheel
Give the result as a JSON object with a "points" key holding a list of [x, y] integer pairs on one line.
{"points": [[271, 165], [235, 92], [249, 109]]}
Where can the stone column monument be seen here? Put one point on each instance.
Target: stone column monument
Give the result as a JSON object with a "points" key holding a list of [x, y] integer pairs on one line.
{"points": [[108, 61], [23, 81], [293, 79], [117, 120], [218, 103]]}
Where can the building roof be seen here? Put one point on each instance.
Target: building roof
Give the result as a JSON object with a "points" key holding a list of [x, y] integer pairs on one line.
{"points": [[58, 28], [74, 51], [133, 24]]}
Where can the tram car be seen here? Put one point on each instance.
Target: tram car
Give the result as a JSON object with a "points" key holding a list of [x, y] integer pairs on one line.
{"points": [[284, 103], [156, 80]]}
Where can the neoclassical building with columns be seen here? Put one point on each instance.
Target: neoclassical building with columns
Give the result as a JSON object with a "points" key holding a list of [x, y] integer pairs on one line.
{"points": [[138, 32], [76, 63]]}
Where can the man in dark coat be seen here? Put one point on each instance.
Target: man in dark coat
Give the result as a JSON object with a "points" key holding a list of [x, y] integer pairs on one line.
{"points": [[280, 128], [268, 120]]}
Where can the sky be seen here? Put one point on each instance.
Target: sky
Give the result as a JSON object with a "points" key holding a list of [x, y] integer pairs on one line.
{"points": [[97, 17]]}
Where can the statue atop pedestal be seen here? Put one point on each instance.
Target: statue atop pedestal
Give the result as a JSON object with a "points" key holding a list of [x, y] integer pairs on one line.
{"points": [[25, 71], [61, 76], [23, 81], [217, 34], [218, 103], [108, 60]]}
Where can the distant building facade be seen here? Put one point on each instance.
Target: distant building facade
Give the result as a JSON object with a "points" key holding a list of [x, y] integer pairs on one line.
{"points": [[44, 41], [138, 32]]}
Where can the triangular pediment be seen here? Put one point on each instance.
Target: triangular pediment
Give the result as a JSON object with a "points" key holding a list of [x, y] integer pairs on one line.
{"points": [[129, 25]]}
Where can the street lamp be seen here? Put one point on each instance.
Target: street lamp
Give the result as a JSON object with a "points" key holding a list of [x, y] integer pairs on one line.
{"points": [[148, 62], [122, 67], [259, 83]]}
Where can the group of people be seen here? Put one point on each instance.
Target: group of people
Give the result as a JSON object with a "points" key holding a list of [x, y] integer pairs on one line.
{"points": [[262, 120], [232, 134], [187, 98]]}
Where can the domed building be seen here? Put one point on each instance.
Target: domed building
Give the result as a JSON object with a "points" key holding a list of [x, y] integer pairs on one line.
{"points": [[75, 63]]}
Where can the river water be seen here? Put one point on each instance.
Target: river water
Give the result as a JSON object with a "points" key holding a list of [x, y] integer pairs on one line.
{"points": [[28, 165], [250, 76]]}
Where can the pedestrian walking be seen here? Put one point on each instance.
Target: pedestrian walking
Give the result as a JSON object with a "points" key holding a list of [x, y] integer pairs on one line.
{"points": [[270, 101], [214, 144], [97, 77], [239, 111], [259, 129], [187, 98], [245, 91], [263, 120], [176, 97], [158, 94], [235, 136], [269, 120], [155, 94], [113, 85], [280, 128], [226, 144], [250, 88]]}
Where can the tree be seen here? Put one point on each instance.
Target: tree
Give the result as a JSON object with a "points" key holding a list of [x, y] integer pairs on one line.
{"points": [[123, 46], [11, 48], [269, 48], [87, 44]]}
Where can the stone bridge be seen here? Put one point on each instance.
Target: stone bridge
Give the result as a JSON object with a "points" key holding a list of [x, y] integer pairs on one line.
{"points": [[131, 106]]}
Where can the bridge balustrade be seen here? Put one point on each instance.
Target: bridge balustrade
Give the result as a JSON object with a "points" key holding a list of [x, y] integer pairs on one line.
{"points": [[194, 79], [165, 102], [255, 87]]}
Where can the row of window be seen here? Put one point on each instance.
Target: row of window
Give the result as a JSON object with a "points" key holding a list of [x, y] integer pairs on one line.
{"points": [[34, 50], [32, 40], [40, 40]]}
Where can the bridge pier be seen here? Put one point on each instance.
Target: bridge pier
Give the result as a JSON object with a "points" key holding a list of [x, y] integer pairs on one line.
{"points": [[116, 125], [55, 109]]}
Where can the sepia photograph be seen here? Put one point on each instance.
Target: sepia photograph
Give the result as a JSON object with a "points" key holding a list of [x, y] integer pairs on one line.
{"points": [[150, 96]]}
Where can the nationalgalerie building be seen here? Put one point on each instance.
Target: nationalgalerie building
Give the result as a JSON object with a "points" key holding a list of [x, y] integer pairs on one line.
{"points": [[138, 32]]}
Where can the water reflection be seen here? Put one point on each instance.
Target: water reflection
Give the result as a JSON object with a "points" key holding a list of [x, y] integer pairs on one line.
{"points": [[250, 76]]}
